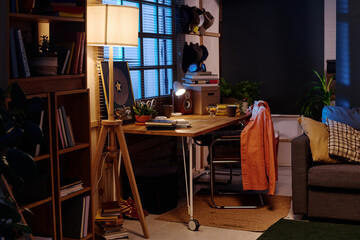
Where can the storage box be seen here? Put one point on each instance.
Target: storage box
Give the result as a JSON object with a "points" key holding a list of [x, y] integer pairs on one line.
{"points": [[204, 96]]}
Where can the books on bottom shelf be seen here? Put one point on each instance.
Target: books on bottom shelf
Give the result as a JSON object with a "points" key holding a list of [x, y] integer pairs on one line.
{"points": [[75, 217], [68, 186], [109, 227]]}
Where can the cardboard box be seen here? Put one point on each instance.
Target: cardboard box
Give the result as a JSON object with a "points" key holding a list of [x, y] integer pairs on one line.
{"points": [[204, 96]]}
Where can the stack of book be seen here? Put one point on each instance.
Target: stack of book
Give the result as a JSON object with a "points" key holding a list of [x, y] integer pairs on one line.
{"points": [[109, 222], [68, 186], [221, 109], [202, 79]]}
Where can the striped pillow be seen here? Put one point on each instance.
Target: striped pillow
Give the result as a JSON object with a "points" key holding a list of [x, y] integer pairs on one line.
{"points": [[344, 142]]}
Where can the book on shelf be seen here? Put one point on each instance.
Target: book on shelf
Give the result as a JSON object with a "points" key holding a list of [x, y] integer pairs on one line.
{"points": [[68, 133], [76, 54], [63, 2], [50, 9], [13, 6], [23, 65], [66, 191], [69, 46], [14, 71], [82, 52], [61, 137], [73, 213], [86, 216], [66, 14], [202, 77], [71, 129], [37, 150], [63, 58], [62, 128]]}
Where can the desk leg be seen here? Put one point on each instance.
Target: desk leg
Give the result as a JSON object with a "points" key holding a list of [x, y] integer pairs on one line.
{"points": [[193, 223]]}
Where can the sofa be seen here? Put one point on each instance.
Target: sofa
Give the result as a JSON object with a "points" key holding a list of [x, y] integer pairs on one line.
{"points": [[324, 189]]}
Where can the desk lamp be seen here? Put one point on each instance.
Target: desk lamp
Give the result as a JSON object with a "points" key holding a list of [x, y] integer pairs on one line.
{"points": [[178, 90], [114, 25]]}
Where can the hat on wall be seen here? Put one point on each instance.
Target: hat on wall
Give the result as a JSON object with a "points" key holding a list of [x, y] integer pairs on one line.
{"points": [[208, 22], [193, 54]]}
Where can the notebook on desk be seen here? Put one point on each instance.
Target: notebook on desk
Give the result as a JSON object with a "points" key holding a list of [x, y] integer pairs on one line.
{"points": [[168, 124]]}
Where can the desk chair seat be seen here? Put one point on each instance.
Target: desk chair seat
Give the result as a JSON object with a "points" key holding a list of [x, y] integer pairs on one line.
{"points": [[231, 156]]}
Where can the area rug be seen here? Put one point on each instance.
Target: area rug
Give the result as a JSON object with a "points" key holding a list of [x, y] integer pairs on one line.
{"points": [[257, 220], [297, 230]]}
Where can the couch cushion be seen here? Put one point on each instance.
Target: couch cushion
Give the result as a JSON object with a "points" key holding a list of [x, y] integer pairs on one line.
{"points": [[344, 142], [348, 116], [318, 135], [335, 176]]}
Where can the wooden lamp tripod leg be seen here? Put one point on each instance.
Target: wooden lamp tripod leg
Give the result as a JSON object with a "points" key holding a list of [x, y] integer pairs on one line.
{"points": [[129, 170], [115, 128]]}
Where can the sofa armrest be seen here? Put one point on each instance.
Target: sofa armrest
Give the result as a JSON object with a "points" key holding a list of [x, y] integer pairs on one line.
{"points": [[301, 161]]}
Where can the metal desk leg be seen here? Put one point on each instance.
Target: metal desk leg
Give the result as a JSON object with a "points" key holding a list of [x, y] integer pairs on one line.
{"points": [[193, 223]]}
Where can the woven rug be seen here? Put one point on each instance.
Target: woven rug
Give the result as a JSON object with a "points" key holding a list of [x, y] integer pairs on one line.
{"points": [[293, 229], [257, 220]]}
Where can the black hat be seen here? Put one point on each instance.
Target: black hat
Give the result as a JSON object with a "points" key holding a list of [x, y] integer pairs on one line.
{"points": [[193, 53]]}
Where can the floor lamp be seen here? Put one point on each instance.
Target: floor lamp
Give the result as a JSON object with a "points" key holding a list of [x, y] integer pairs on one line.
{"points": [[114, 25]]}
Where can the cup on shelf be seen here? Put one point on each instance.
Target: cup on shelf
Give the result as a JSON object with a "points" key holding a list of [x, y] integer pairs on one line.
{"points": [[231, 110]]}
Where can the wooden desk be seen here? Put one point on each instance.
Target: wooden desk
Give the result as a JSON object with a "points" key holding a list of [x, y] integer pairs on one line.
{"points": [[200, 124]]}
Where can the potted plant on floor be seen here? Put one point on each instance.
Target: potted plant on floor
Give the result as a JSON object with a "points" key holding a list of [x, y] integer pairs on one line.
{"points": [[143, 111], [16, 166]]}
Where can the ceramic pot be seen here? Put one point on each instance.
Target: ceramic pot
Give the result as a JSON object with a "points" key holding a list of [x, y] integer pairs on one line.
{"points": [[44, 66], [140, 120]]}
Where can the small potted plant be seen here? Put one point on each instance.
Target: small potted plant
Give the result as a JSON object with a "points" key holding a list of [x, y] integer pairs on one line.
{"points": [[44, 61], [143, 111]]}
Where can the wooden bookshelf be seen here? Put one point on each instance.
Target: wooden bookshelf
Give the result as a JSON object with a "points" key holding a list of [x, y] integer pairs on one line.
{"points": [[70, 91]]}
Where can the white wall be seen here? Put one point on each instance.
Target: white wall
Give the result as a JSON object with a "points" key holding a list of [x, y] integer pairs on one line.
{"points": [[288, 128], [211, 43]]}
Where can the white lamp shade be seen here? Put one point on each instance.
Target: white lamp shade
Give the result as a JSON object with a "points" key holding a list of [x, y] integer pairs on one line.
{"points": [[178, 88], [113, 25]]}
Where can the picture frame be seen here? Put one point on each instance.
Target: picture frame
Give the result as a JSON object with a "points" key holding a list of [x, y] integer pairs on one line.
{"points": [[124, 99]]}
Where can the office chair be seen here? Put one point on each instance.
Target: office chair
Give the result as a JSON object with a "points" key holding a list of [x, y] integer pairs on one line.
{"points": [[231, 156]]}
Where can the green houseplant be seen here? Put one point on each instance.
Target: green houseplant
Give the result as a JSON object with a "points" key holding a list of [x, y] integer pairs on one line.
{"points": [[241, 91], [44, 60], [318, 94], [143, 111], [16, 166]]}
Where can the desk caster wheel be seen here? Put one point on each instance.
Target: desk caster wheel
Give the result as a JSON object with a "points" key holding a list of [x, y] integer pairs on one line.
{"points": [[194, 225]]}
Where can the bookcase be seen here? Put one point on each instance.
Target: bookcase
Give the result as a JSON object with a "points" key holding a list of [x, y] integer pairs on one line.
{"points": [[55, 162]]}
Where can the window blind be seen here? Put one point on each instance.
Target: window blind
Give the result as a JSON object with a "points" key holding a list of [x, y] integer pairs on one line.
{"points": [[154, 64]]}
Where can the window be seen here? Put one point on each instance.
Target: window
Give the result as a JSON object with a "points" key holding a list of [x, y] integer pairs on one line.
{"points": [[152, 64]]}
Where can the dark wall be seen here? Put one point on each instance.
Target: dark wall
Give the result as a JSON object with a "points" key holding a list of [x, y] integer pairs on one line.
{"points": [[279, 42], [348, 53]]}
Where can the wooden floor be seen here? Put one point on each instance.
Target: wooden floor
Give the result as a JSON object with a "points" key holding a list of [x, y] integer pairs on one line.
{"points": [[178, 231]]}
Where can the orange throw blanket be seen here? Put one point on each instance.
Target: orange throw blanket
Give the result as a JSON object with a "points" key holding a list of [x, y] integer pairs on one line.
{"points": [[258, 153]]}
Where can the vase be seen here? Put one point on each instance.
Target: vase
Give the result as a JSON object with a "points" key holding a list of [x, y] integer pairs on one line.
{"points": [[140, 120]]}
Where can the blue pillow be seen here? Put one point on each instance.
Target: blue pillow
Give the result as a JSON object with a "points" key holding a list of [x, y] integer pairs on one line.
{"points": [[344, 115]]}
